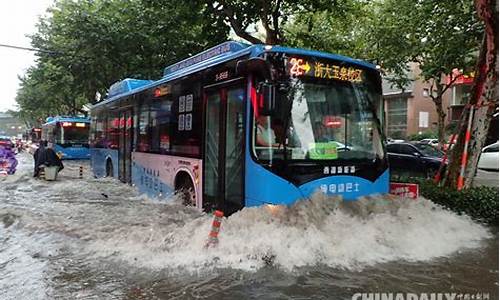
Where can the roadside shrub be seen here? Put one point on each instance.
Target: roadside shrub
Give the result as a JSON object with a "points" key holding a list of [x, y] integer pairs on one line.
{"points": [[480, 203], [398, 135], [451, 128]]}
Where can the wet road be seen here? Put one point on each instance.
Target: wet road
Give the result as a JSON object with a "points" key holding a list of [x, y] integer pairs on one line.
{"points": [[487, 178], [98, 239]]}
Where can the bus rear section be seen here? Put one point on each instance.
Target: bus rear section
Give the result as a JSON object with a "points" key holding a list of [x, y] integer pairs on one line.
{"points": [[34, 136], [70, 136]]}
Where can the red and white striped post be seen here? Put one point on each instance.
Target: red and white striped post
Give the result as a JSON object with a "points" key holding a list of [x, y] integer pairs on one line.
{"points": [[460, 182], [437, 177], [213, 236]]}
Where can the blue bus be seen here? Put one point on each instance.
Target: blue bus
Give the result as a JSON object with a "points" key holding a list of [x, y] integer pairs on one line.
{"points": [[70, 136], [34, 135], [246, 125]]}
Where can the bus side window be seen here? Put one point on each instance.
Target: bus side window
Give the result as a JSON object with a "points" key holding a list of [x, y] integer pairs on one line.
{"points": [[100, 134], [54, 136], [154, 113], [161, 125], [144, 138], [187, 121], [113, 131]]}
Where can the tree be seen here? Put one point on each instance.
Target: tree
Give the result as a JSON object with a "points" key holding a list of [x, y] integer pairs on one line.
{"points": [[484, 100], [273, 15], [45, 91], [438, 36], [88, 45], [340, 32]]}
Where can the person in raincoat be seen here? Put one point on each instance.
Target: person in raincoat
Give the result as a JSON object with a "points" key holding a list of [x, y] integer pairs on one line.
{"points": [[46, 156], [8, 161]]}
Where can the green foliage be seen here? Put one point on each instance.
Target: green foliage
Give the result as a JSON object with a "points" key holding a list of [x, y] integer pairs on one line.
{"points": [[92, 44], [480, 203], [437, 35], [452, 127], [432, 36], [423, 135], [273, 15], [339, 31], [398, 135]]}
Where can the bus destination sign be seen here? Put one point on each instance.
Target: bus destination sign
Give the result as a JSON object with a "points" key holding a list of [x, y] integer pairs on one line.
{"points": [[328, 70]]}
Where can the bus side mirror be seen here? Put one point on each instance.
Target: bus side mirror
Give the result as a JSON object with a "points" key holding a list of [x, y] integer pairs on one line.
{"points": [[255, 65], [266, 93]]}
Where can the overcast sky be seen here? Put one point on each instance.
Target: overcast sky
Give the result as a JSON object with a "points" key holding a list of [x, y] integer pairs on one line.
{"points": [[17, 19]]}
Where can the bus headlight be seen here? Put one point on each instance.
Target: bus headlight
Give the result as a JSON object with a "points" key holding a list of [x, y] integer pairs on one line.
{"points": [[273, 209]]}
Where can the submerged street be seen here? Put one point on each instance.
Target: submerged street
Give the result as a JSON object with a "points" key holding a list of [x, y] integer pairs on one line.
{"points": [[99, 239], [304, 150]]}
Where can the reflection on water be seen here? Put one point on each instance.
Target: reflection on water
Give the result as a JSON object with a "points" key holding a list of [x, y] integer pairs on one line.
{"points": [[99, 239]]}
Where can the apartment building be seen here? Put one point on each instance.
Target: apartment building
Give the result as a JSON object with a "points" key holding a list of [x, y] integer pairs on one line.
{"points": [[410, 110]]}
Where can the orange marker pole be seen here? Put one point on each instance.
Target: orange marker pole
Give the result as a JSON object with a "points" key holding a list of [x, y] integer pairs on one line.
{"points": [[213, 236], [460, 182]]}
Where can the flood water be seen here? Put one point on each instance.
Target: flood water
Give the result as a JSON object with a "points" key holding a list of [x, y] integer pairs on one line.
{"points": [[99, 239]]}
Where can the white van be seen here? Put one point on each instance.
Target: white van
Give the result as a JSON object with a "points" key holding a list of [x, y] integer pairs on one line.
{"points": [[489, 158]]}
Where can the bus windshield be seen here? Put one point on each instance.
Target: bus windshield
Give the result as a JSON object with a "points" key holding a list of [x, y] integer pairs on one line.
{"points": [[320, 119], [74, 135]]}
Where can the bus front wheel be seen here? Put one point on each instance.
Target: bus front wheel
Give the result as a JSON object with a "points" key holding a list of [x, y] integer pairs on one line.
{"points": [[109, 168], [185, 190]]}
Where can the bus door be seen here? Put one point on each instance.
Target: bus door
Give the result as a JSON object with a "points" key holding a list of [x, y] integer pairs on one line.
{"points": [[125, 145], [224, 141]]}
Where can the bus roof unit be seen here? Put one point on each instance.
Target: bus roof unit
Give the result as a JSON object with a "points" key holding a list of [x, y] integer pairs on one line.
{"points": [[50, 120], [126, 85], [211, 57], [213, 53]]}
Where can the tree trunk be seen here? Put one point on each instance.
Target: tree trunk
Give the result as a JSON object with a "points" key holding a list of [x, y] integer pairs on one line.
{"points": [[438, 103], [441, 119], [484, 98], [272, 38]]}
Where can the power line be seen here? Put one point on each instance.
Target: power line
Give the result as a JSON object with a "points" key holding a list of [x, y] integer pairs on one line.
{"points": [[55, 52], [60, 53], [46, 51], [30, 49]]}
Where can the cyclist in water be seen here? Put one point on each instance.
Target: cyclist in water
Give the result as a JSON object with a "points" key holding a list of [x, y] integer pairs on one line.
{"points": [[46, 156]]}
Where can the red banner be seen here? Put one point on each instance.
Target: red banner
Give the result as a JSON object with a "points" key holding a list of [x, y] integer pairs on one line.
{"points": [[406, 190]]}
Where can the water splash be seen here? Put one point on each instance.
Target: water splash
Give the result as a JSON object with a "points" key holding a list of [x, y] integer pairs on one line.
{"points": [[68, 235], [323, 231], [159, 234]]}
